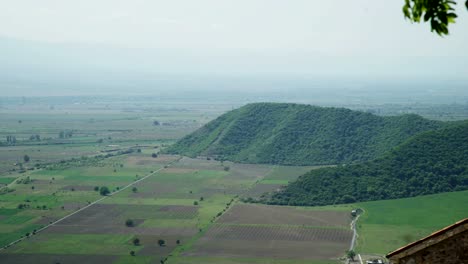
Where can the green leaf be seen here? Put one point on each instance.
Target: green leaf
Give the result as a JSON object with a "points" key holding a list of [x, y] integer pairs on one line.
{"points": [[406, 11], [443, 18], [451, 17], [427, 16]]}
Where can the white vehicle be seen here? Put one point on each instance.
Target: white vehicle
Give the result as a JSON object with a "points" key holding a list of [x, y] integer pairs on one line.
{"points": [[375, 261]]}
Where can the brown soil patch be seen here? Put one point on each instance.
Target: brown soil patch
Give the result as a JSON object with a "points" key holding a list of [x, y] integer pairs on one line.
{"points": [[259, 189], [151, 189], [235, 190], [146, 160], [48, 259], [167, 158], [271, 249], [78, 188], [111, 218], [40, 182], [200, 164], [180, 211], [151, 247], [282, 215], [248, 171], [272, 242], [179, 170], [122, 229], [45, 220], [286, 233], [73, 206]]}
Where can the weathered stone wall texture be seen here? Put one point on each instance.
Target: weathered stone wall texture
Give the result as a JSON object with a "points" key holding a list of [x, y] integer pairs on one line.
{"points": [[453, 250]]}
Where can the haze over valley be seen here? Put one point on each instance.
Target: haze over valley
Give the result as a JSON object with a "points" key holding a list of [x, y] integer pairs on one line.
{"points": [[233, 132]]}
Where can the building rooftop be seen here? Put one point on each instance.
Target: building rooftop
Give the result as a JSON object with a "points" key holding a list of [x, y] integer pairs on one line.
{"points": [[432, 239]]}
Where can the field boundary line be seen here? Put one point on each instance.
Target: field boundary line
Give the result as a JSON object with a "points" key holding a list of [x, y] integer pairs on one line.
{"points": [[89, 205]]}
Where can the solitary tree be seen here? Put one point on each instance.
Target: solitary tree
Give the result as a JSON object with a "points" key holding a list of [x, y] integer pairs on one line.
{"points": [[104, 191], [129, 223], [26, 158], [132, 253], [136, 241], [440, 13], [154, 155], [161, 242], [350, 254]]}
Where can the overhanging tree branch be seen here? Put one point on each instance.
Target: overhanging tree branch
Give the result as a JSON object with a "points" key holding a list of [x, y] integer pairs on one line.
{"points": [[439, 13]]}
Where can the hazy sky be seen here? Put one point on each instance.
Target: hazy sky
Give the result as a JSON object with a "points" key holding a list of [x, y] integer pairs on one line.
{"points": [[304, 37]]}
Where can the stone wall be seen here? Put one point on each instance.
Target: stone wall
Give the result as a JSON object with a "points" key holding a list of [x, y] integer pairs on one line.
{"points": [[453, 250]]}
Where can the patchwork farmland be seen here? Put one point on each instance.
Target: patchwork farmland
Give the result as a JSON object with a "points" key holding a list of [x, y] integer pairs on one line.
{"points": [[279, 232], [187, 212]]}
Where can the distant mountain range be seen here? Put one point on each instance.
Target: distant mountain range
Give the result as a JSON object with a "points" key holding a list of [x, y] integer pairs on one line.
{"points": [[294, 134]]}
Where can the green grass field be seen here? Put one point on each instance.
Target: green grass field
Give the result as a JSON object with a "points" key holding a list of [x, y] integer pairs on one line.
{"points": [[388, 225]]}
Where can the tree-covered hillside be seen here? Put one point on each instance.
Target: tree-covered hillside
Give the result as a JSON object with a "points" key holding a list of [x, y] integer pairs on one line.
{"points": [[432, 162], [294, 134]]}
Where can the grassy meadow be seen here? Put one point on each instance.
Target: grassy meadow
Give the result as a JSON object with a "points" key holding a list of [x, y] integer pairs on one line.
{"points": [[388, 225]]}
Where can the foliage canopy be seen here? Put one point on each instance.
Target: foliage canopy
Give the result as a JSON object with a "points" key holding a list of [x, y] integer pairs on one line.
{"points": [[432, 162], [295, 134], [439, 13]]}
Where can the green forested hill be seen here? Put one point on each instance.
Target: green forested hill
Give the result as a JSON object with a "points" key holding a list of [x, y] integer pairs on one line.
{"points": [[432, 162], [294, 134]]}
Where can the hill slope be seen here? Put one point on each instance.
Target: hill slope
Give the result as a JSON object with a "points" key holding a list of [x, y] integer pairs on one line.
{"points": [[293, 134], [432, 162]]}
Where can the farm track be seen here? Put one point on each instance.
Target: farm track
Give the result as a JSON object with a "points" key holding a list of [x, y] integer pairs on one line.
{"points": [[91, 204], [355, 234]]}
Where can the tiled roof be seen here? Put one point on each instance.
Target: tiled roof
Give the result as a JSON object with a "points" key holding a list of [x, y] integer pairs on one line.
{"points": [[433, 235]]}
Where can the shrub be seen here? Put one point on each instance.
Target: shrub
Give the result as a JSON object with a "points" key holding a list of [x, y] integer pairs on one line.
{"points": [[129, 223], [104, 191], [161, 242]]}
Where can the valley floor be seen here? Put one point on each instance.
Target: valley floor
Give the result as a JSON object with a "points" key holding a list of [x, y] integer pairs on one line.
{"points": [[194, 207], [191, 204]]}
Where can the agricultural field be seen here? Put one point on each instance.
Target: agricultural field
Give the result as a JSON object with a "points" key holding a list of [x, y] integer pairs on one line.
{"points": [[388, 225], [262, 231], [49, 130], [192, 205]]}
